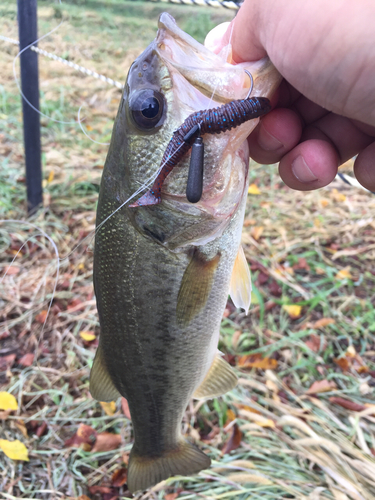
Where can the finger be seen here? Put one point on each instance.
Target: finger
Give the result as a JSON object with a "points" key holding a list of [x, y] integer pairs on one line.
{"points": [[340, 132], [310, 165], [244, 36], [364, 167], [215, 40], [277, 133]]}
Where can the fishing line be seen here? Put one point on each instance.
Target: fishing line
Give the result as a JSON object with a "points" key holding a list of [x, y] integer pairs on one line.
{"points": [[17, 81], [58, 260], [86, 134], [29, 103]]}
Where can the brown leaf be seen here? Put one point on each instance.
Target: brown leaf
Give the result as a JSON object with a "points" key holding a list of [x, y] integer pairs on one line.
{"points": [[346, 403], [256, 361], [171, 496], [343, 363], [11, 270], [314, 343], [85, 437], [6, 362], [27, 359], [321, 386], [302, 264], [119, 477], [275, 289], [262, 279], [321, 323], [41, 429], [106, 441], [234, 441], [256, 232], [22, 428], [125, 408], [41, 317]]}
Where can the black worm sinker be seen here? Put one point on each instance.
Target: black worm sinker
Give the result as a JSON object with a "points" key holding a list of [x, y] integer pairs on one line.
{"points": [[210, 121]]}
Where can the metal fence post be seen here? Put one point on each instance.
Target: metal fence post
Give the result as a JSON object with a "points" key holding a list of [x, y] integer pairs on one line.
{"points": [[27, 27]]}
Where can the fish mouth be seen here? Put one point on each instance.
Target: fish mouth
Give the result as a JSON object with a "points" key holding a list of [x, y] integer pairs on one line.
{"points": [[198, 65]]}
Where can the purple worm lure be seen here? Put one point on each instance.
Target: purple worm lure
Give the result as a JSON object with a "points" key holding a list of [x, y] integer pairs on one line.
{"points": [[211, 121]]}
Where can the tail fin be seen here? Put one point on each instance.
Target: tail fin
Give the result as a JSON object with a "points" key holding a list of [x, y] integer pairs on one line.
{"points": [[144, 471]]}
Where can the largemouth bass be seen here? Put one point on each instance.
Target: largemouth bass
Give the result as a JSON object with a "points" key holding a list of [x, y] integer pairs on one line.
{"points": [[162, 273]]}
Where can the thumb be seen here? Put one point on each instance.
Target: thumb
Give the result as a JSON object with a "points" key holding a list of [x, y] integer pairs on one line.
{"points": [[241, 33]]}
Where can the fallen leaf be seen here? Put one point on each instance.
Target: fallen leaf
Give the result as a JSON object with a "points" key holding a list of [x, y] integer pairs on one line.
{"points": [[321, 386], [315, 343], [119, 477], [51, 176], [12, 270], [247, 408], [346, 403], [41, 429], [14, 449], [249, 222], [88, 336], [41, 317], [234, 440], [109, 408], [321, 323], [256, 361], [266, 423], [293, 310], [106, 441], [256, 232], [171, 496], [8, 401], [302, 264], [337, 196], [6, 362], [253, 189], [22, 428], [343, 363], [230, 416], [344, 274], [27, 359], [125, 408], [85, 437]]}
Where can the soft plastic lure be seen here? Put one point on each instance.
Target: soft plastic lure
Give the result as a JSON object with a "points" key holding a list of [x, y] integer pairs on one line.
{"points": [[211, 121]]}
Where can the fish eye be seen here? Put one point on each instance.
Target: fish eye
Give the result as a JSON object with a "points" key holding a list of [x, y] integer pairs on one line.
{"points": [[146, 108]]}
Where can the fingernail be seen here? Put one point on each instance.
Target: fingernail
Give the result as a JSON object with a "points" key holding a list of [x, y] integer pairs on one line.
{"points": [[302, 171], [267, 141]]}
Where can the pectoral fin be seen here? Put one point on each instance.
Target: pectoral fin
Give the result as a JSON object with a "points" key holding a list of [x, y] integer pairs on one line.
{"points": [[195, 287], [240, 282], [219, 380], [101, 385]]}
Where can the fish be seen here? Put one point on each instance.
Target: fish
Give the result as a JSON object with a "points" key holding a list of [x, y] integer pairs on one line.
{"points": [[162, 273]]}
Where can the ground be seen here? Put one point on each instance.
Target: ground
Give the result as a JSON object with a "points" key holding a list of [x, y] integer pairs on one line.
{"points": [[300, 424]]}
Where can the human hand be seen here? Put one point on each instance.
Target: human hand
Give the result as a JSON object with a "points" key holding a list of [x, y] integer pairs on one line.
{"points": [[325, 109]]}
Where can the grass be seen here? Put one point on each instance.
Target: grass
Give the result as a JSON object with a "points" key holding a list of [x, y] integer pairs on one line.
{"points": [[294, 444]]}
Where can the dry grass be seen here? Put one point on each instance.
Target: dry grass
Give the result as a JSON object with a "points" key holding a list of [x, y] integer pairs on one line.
{"points": [[295, 444]]}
